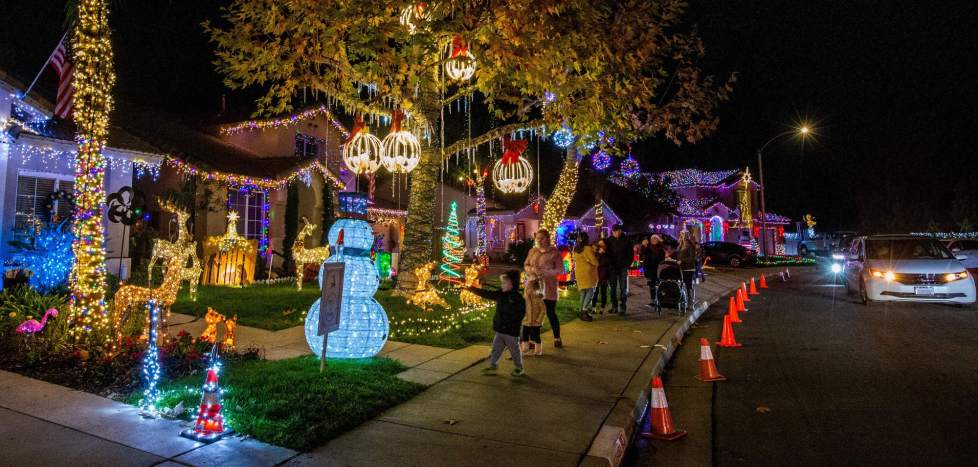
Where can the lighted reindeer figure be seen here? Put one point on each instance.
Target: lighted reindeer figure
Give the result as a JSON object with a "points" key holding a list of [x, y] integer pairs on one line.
{"points": [[471, 280], [130, 297], [302, 255], [182, 247], [425, 296]]}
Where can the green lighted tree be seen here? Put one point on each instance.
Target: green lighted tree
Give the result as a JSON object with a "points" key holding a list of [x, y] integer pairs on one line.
{"points": [[626, 67], [452, 248]]}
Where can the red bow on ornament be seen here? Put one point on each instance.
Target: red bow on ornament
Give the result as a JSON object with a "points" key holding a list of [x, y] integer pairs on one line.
{"points": [[358, 126], [512, 149], [396, 118], [419, 8], [458, 47]]}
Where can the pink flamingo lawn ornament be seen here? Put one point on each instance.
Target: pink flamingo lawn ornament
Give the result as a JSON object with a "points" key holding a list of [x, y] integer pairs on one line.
{"points": [[32, 326]]}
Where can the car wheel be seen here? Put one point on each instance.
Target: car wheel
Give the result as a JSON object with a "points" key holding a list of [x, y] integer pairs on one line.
{"points": [[803, 250], [735, 261]]}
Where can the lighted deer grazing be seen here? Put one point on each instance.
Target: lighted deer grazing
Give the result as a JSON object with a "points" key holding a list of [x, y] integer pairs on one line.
{"points": [[182, 247], [302, 255], [130, 297]]}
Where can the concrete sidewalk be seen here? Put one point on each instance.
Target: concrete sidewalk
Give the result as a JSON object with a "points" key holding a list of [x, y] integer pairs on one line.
{"points": [[577, 405], [46, 424]]}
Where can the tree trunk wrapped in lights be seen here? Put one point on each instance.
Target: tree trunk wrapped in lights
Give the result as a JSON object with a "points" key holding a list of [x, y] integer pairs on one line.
{"points": [[419, 227], [557, 205], [93, 81]]}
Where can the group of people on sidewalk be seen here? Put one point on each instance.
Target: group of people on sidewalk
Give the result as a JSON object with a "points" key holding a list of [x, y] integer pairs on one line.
{"points": [[519, 314]]}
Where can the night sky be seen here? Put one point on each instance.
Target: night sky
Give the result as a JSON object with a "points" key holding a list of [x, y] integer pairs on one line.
{"points": [[890, 87]]}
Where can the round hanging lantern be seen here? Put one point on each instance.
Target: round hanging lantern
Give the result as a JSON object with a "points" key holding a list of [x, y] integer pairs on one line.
{"points": [[512, 173], [413, 16], [362, 151], [401, 149], [461, 63]]}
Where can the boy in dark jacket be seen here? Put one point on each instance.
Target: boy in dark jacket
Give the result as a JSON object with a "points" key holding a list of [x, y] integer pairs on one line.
{"points": [[510, 309]]}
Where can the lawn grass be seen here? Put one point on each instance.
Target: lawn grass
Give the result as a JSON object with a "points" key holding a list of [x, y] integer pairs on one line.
{"points": [[280, 306], [272, 306], [289, 403]]}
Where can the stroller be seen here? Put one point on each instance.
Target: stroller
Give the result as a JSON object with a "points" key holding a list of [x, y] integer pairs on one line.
{"points": [[670, 292]]}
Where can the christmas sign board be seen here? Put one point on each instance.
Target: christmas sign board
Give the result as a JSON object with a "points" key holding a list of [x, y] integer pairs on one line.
{"points": [[332, 298]]}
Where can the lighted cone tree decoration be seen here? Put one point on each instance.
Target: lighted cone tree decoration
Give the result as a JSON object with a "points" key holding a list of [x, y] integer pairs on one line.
{"points": [[209, 426], [512, 173], [452, 248], [401, 149], [362, 151], [461, 64]]}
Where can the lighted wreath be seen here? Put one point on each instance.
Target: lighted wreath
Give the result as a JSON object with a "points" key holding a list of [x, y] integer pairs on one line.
{"points": [[512, 173], [60, 196], [362, 151], [402, 151], [460, 63]]}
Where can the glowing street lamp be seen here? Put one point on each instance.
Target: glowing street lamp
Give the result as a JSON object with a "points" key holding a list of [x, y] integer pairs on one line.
{"points": [[804, 130]]}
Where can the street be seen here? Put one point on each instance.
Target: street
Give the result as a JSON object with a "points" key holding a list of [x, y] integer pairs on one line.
{"points": [[822, 380]]}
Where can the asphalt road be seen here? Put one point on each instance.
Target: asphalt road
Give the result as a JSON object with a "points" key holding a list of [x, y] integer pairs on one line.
{"points": [[822, 380]]}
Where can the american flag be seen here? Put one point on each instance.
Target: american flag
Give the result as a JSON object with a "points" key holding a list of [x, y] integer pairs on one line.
{"points": [[66, 92]]}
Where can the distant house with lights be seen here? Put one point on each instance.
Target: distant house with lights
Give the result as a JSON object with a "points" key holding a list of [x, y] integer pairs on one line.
{"points": [[37, 165], [719, 206], [505, 226]]}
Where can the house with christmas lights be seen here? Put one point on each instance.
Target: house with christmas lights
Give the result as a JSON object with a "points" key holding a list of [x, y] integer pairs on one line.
{"points": [[273, 174], [719, 206], [37, 164], [505, 226]]}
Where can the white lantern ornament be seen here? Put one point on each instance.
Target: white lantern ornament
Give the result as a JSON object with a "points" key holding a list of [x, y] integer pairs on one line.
{"points": [[512, 173], [413, 16], [362, 151], [460, 65], [402, 151]]}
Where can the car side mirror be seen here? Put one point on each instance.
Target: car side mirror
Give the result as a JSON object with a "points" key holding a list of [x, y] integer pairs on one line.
{"points": [[960, 257]]}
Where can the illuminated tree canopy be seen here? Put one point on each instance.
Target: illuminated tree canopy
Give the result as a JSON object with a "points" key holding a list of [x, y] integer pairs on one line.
{"points": [[628, 68]]}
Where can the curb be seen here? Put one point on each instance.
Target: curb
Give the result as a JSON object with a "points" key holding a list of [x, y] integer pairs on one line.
{"points": [[614, 437]]}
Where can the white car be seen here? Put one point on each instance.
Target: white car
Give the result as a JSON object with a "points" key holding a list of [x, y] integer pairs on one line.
{"points": [[969, 248], [905, 268]]}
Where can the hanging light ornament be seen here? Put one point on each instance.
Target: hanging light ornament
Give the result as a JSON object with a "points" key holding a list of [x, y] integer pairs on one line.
{"points": [[563, 137], [461, 63], [362, 151], [401, 149], [413, 16], [630, 167], [601, 160], [512, 173]]}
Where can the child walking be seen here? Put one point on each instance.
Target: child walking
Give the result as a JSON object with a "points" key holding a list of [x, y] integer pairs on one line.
{"points": [[510, 308], [535, 310]]}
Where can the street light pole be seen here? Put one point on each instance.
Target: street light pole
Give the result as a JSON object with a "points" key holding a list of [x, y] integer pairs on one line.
{"points": [[760, 173]]}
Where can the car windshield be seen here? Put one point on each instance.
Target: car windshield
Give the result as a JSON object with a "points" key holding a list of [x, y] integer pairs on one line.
{"points": [[906, 248]]}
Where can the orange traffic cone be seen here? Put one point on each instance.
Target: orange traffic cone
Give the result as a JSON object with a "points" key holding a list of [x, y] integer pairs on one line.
{"points": [[753, 287], [727, 339], [660, 417], [743, 292], [763, 282], [734, 316], [740, 301], [708, 366]]}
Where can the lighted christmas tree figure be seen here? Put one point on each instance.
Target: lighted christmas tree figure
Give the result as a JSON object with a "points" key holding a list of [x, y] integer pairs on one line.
{"points": [[453, 249], [209, 426], [151, 363]]}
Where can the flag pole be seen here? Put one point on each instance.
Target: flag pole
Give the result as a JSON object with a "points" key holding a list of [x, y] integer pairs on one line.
{"points": [[45, 65]]}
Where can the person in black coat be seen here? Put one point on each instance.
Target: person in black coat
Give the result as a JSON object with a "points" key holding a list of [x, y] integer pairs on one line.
{"points": [[620, 254], [651, 258], [510, 309]]}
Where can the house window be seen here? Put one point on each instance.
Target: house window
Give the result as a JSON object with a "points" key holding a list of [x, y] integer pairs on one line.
{"points": [[306, 146], [248, 205], [32, 194]]}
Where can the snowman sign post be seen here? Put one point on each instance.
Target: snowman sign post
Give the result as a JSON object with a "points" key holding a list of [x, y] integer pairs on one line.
{"points": [[331, 304]]}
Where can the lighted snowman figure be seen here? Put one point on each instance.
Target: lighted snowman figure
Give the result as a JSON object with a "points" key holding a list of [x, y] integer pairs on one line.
{"points": [[363, 322]]}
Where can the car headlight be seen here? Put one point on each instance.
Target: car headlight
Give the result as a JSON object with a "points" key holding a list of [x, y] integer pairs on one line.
{"points": [[836, 268], [951, 277], [888, 275]]}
